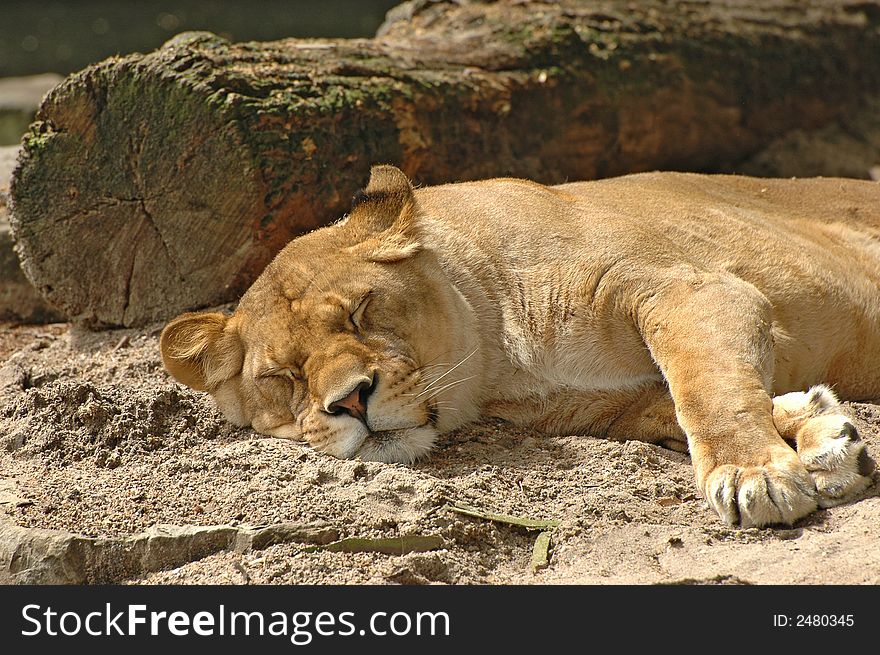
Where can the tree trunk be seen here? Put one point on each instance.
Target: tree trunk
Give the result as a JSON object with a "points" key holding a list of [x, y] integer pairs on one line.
{"points": [[155, 183]]}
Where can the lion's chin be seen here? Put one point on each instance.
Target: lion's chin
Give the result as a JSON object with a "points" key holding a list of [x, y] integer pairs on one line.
{"points": [[402, 446]]}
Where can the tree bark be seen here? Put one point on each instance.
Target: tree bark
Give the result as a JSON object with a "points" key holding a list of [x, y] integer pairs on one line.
{"points": [[155, 183]]}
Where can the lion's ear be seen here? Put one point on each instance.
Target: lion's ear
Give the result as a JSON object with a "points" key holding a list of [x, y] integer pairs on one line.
{"points": [[201, 350], [383, 216], [386, 202]]}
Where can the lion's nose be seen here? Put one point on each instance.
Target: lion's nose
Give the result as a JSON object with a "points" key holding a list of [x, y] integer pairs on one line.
{"points": [[353, 400]]}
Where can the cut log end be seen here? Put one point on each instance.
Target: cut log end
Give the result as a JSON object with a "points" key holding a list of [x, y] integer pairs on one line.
{"points": [[146, 245]]}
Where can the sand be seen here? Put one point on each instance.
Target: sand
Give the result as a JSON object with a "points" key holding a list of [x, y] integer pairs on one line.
{"points": [[97, 440]]}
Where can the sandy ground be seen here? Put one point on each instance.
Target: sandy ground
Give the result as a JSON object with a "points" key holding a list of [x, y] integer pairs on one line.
{"points": [[96, 439]]}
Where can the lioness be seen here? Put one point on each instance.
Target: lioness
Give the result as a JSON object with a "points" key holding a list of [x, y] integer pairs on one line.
{"points": [[704, 313]]}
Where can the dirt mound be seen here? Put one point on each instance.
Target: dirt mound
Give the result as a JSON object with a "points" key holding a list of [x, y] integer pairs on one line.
{"points": [[66, 421]]}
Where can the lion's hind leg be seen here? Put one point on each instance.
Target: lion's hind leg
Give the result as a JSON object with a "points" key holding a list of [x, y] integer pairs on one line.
{"points": [[827, 442]]}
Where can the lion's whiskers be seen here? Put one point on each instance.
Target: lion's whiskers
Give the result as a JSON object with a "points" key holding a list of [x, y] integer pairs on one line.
{"points": [[432, 366], [436, 392], [460, 362]]}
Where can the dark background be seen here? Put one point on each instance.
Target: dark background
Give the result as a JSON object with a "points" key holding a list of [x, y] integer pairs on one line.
{"points": [[41, 36]]}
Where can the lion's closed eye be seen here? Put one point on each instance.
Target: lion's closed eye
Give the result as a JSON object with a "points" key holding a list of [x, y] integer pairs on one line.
{"points": [[287, 373], [291, 374], [356, 318]]}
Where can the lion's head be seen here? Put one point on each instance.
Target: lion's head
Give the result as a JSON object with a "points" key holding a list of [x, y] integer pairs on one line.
{"points": [[344, 341]]}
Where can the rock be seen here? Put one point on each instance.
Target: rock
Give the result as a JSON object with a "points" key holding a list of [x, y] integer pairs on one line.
{"points": [[38, 556], [19, 301], [262, 537], [19, 99], [167, 546], [35, 556]]}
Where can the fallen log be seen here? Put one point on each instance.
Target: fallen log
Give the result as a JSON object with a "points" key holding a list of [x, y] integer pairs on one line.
{"points": [[154, 183]]}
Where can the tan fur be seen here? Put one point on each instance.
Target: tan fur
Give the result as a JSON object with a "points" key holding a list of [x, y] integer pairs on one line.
{"points": [[689, 310]]}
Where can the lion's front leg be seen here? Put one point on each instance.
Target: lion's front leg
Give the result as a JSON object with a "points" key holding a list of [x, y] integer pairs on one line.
{"points": [[711, 337]]}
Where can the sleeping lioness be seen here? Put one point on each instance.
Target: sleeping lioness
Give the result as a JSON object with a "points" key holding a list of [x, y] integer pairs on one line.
{"points": [[711, 314]]}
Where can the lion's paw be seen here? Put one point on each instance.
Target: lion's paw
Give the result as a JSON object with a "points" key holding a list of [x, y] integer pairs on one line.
{"points": [[761, 495], [836, 458], [827, 443]]}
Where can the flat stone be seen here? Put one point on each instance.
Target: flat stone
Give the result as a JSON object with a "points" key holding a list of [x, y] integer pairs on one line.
{"points": [[19, 99], [39, 556], [261, 537]]}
